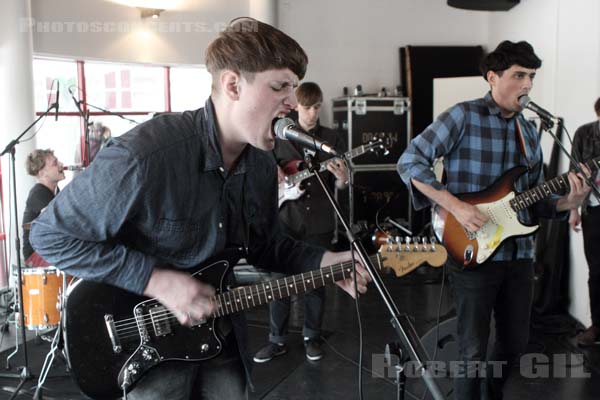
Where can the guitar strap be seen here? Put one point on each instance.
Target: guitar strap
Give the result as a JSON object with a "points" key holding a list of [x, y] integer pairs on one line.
{"points": [[521, 140]]}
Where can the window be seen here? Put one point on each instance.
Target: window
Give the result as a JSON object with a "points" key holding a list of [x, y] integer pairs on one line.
{"points": [[133, 91], [123, 87], [190, 88], [45, 72]]}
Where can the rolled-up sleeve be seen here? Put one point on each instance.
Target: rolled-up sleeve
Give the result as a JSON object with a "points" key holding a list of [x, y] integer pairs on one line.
{"points": [[79, 230], [435, 141]]}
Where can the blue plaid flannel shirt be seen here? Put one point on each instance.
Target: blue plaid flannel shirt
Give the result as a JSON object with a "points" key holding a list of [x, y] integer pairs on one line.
{"points": [[478, 146]]}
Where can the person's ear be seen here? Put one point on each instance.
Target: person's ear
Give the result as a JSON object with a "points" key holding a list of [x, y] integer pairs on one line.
{"points": [[491, 77], [230, 84]]}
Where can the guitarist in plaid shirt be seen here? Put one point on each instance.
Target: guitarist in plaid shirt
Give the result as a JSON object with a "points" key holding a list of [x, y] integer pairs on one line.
{"points": [[479, 141]]}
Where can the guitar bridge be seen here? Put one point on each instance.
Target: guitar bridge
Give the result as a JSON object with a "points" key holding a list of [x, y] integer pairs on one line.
{"points": [[112, 333]]}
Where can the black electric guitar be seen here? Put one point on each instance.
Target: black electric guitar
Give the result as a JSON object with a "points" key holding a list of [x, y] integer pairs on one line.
{"points": [[113, 337], [290, 188], [501, 205]]}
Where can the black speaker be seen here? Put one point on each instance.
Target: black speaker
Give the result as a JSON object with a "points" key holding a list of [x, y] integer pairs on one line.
{"points": [[376, 188], [484, 5]]}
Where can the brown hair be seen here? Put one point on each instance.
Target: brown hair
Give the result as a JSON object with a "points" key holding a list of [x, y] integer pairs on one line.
{"points": [[36, 161], [309, 94], [248, 46], [597, 107]]}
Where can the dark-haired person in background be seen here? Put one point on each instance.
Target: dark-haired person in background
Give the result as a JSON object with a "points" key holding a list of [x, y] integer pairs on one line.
{"points": [[480, 140], [309, 218], [48, 171], [586, 146], [178, 190]]}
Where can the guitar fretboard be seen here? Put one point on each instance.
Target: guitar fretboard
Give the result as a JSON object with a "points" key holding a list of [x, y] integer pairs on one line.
{"points": [[304, 174], [245, 297], [547, 188]]}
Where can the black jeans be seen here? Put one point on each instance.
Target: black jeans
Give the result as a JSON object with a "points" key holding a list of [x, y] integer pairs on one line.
{"points": [[590, 224], [279, 310], [222, 377], [506, 289]]}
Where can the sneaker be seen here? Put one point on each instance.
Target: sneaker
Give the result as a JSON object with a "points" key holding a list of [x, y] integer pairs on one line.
{"points": [[589, 337], [269, 352], [313, 349]]}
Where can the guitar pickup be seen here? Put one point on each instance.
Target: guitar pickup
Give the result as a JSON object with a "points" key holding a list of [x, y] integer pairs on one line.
{"points": [[160, 321]]}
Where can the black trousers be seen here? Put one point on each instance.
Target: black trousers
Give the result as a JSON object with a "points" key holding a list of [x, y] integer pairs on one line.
{"points": [[590, 224], [279, 310], [506, 290]]}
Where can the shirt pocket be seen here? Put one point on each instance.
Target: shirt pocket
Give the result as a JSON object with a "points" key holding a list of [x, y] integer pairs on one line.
{"points": [[178, 240]]}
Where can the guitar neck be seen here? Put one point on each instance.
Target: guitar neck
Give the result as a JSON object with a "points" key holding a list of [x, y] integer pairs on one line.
{"points": [[246, 297], [547, 188], [305, 174]]}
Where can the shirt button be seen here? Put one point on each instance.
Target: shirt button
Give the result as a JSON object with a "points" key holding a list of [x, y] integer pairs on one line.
{"points": [[308, 196], [307, 208], [308, 184], [220, 225], [221, 169]]}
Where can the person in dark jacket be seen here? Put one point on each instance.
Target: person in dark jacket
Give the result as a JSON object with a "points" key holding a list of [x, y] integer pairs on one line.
{"points": [[309, 218], [586, 146]]}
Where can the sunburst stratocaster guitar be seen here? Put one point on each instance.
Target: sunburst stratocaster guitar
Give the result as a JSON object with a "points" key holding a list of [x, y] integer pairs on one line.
{"points": [[501, 205], [113, 337], [290, 188]]}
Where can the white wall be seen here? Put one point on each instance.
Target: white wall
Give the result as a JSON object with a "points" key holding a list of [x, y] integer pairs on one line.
{"points": [[177, 37], [353, 41], [565, 35]]}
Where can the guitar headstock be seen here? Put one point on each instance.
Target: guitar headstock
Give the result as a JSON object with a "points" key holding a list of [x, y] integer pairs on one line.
{"points": [[403, 258], [377, 146]]}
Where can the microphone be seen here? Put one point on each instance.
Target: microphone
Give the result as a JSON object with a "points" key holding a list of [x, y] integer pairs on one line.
{"points": [[286, 129], [525, 102], [73, 168], [56, 103]]}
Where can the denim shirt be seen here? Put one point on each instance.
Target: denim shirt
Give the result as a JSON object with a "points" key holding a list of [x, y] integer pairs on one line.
{"points": [[159, 195]]}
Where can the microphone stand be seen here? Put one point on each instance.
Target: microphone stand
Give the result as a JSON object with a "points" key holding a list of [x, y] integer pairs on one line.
{"points": [[86, 119], [400, 322], [547, 126], [25, 374]]}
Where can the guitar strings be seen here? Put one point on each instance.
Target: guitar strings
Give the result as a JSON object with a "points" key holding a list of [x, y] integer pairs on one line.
{"points": [[122, 325], [129, 328], [131, 325], [132, 330]]}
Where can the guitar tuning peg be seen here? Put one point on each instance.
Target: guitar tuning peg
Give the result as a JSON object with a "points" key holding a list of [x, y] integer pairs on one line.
{"points": [[407, 241], [415, 243], [433, 241], [424, 241]]}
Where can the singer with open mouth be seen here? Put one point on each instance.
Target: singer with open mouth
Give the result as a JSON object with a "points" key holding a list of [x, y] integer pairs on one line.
{"points": [[182, 194], [487, 145]]}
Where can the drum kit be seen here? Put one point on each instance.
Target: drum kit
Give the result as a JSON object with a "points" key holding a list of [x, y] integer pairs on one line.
{"points": [[43, 290]]}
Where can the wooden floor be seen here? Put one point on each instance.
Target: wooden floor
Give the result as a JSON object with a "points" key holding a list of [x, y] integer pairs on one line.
{"points": [[555, 368]]}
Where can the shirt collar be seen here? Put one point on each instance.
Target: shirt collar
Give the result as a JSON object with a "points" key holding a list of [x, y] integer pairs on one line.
{"points": [[494, 109], [213, 159]]}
